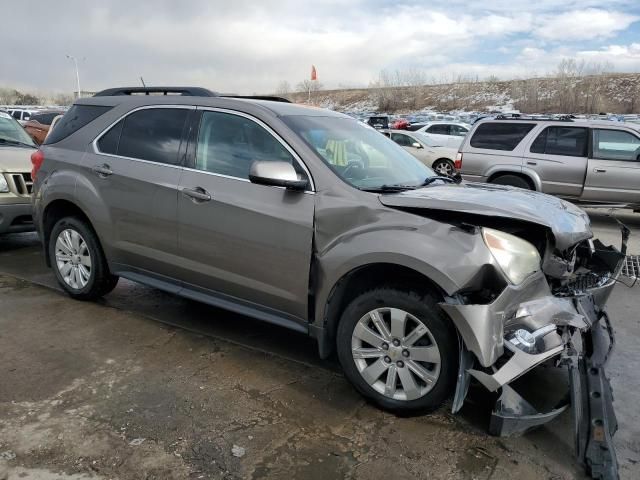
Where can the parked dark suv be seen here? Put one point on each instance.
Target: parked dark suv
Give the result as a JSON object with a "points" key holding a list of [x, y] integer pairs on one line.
{"points": [[308, 219]]}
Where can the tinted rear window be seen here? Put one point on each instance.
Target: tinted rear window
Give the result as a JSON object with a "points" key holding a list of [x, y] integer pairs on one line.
{"points": [[500, 136], [76, 118]]}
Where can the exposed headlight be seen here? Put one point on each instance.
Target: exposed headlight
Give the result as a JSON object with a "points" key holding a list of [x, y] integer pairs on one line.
{"points": [[4, 188], [517, 258]]}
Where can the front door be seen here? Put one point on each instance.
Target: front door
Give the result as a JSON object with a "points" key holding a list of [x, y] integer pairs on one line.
{"points": [[613, 174], [236, 238]]}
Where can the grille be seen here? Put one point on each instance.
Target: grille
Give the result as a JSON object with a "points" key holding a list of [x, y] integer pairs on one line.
{"points": [[22, 183], [631, 267]]}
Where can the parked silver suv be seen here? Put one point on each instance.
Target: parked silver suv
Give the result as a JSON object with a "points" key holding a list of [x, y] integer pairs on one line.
{"points": [[308, 219], [591, 162]]}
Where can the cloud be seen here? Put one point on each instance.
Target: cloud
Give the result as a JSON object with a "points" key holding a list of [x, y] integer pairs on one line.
{"points": [[583, 24], [246, 46]]}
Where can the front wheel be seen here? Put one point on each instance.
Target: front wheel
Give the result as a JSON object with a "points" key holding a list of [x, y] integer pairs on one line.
{"points": [[78, 260], [444, 167], [398, 349]]}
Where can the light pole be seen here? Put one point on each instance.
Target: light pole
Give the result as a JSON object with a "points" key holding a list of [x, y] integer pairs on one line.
{"points": [[75, 62]]}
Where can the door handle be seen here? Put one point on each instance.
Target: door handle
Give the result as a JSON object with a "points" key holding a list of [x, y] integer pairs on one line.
{"points": [[197, 194], [532, 163], [599, 170], [103, 170]]}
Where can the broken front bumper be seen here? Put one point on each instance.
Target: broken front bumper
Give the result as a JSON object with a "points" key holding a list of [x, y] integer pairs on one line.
{"points": [[529, 325]]}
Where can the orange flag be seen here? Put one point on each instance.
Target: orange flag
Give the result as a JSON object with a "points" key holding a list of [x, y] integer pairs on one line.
{"points": [[314, 74]]}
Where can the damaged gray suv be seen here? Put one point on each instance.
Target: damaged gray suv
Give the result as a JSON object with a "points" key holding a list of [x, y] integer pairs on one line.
{"points": [[310, 220]]}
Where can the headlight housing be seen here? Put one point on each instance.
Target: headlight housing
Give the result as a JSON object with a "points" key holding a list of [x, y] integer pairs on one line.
{"points": [[517, 258], [4, 187]]}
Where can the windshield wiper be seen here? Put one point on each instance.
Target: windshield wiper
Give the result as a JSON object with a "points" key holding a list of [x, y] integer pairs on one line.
{"points": [[430, 180], [389, 188], [15, 142]]}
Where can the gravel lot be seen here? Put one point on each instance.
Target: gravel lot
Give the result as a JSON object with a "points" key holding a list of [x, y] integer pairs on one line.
{"points": [[147, 385]]}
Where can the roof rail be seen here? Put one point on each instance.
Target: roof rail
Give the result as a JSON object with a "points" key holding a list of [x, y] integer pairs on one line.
{"points": [[269, 98], [185, 91], [561, 118]]}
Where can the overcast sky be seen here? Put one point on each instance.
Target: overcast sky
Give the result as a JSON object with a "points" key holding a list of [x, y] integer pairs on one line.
{"points": [[250, 46]]}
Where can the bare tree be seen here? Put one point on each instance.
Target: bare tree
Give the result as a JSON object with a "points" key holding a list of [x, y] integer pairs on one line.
{"points": [[308, 86], [283, 88]]}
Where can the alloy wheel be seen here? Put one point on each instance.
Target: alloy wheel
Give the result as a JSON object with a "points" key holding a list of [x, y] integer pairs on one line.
{"points": [[396, 354], [443, 168], [73, 259]]}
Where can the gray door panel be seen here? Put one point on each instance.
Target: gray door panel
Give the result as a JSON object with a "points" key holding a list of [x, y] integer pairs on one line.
{"points": [[249, 241], [142, 201], [612, 181]]}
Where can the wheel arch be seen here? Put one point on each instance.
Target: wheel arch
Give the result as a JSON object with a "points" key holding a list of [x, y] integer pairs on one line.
{"points": [[530, 176], [358, 280], [54, 211]]}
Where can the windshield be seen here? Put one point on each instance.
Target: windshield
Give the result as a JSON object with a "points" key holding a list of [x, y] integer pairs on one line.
{"points": [[12, 133], [358, 154]]}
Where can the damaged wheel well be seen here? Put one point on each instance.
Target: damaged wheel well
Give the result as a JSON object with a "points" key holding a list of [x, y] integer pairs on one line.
{"points": [[360, 280]]}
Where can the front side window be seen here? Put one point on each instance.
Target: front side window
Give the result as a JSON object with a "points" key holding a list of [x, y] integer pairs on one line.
{"points": [[458, 131], [615, 145], [439, 129], [500, 136], [228, 144], [402, 140], [567, 141], [358, 154], [153, 134]]}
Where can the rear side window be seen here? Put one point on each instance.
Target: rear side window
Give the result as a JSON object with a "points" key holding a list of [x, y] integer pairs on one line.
{"points": [[567, 141], [108, 143], [153, 134], [75, 118], [500, 136]]}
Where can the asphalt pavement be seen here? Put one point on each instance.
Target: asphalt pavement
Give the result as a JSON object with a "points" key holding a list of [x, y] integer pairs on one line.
{"points": [[143, 384]]}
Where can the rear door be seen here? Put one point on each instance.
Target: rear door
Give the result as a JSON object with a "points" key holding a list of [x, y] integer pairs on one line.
{"points": [[559, 156], [613, 174], [236, 238], [439, 133], [135, 166]]}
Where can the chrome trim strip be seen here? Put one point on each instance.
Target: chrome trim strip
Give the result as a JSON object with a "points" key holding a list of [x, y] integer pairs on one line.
{"points": [[97, 151]]}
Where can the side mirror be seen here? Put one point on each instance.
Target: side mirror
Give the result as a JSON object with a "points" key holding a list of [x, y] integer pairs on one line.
{"points": [[276, 174], [416, 145]]}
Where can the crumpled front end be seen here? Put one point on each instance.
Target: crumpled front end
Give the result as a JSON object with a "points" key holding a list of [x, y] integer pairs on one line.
{"points": [[556, 316]]}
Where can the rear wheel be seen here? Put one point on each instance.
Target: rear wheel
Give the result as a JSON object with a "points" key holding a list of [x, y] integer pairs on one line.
{"points": [[512, 180], [78, 260], [398, 349], [444, 166]]}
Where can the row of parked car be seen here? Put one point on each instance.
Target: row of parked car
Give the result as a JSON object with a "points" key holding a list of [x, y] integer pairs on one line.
{"points": [[594, 162], [35, 121]]}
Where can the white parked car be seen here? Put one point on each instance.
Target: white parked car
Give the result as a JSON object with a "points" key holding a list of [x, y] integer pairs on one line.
{"points": [[440, 158], [446, 134]]}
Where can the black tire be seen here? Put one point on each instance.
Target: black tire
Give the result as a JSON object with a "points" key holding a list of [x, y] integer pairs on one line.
{"points": [[513, 181], [101, 281], [424, 308], [444, 166]]}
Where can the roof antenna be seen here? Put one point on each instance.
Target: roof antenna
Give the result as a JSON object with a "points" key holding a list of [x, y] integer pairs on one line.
{"points": [[143, 84]]}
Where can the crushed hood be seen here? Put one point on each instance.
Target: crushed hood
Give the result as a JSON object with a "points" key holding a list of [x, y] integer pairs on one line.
{"points": [[568, 223], [15, 159]]}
